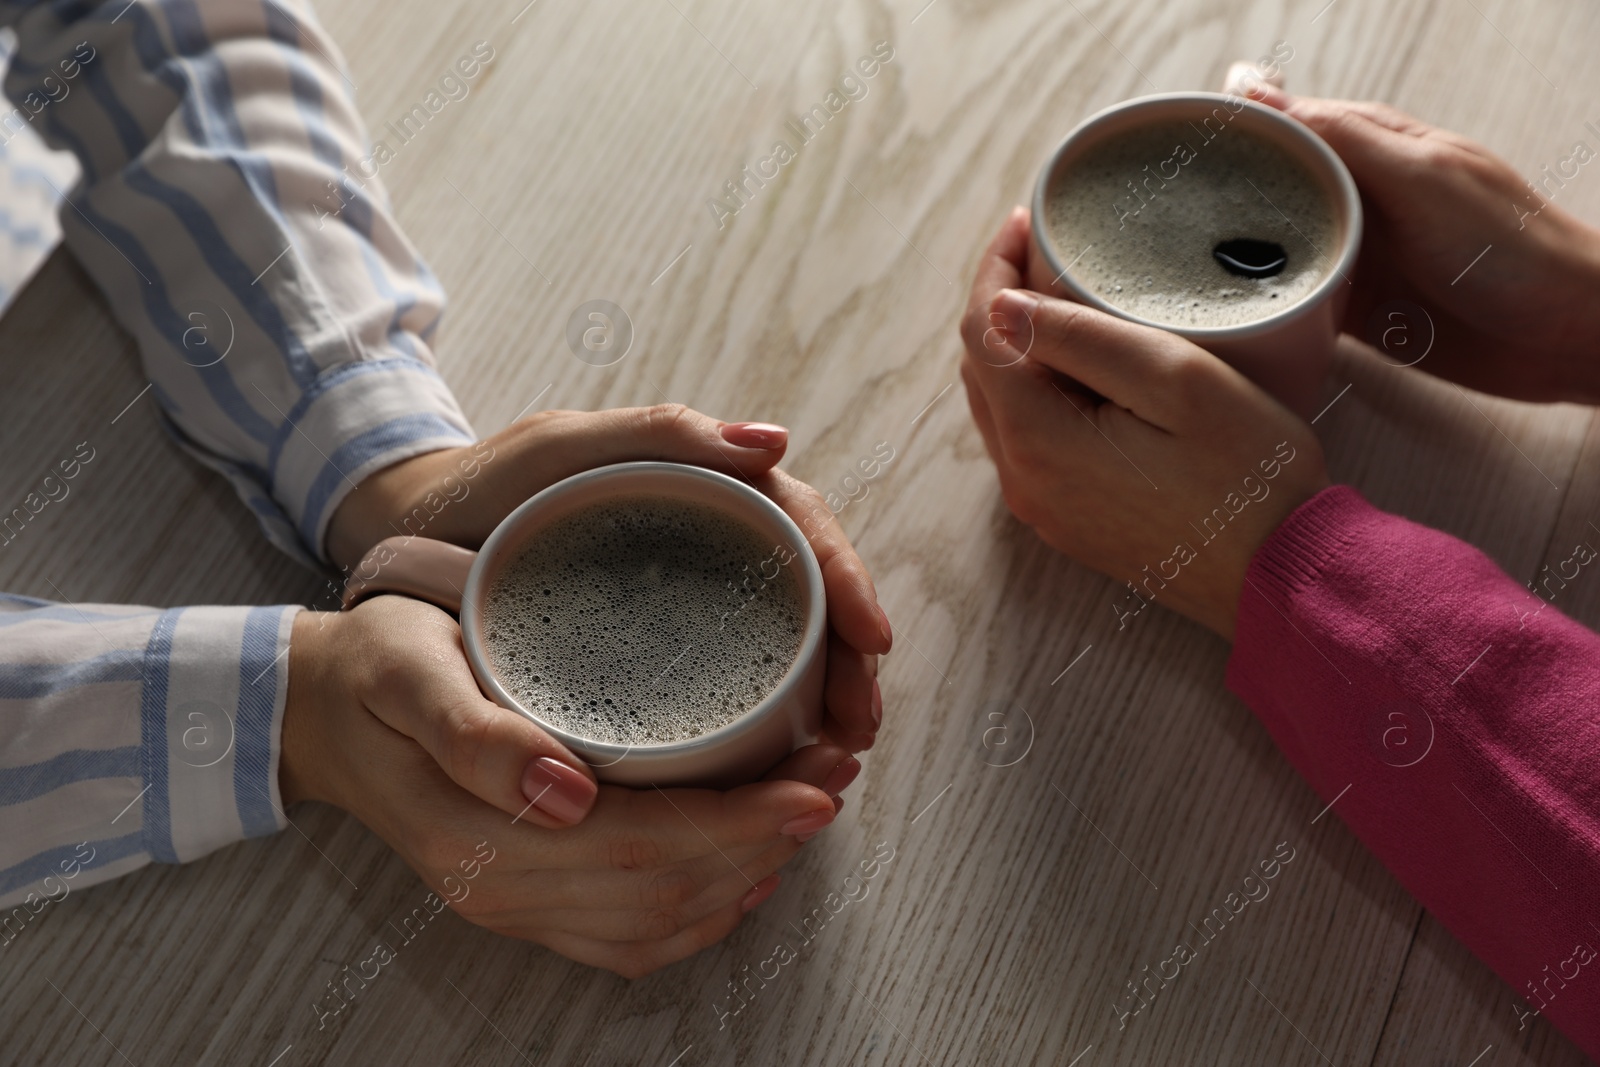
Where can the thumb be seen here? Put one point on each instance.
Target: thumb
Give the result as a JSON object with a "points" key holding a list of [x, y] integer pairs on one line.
{"points": [[497, 755], [504, 759], [1140, 368]]}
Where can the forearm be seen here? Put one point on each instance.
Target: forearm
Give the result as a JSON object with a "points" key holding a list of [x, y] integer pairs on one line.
{"points": [[226, 214], [1450, 713], [131, 735]]}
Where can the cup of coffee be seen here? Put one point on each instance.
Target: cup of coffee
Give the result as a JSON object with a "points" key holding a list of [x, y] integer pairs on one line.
{"points": [[665, 622], [1212, 216]]}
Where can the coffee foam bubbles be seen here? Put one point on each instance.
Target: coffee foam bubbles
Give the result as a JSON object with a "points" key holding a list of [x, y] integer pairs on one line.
{"points": [[1155, 201], [644, 621]]}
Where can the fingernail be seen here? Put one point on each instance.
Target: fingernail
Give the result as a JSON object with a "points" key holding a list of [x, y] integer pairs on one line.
{"points": [[1241, 77], [1013, 312], [840, 777], [838, 806], [763, 889], [1245, 80], [809, 823], [877, 705], [558, 790], [883, 625], [755, 434]]}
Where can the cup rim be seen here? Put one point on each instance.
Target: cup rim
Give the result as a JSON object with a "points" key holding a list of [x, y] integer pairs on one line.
{"points": [[1349, 197], [602, 754]]}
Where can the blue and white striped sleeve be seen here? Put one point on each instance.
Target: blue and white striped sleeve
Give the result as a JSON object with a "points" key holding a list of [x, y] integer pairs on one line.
{"points": [[131, 735], [227, 213]]}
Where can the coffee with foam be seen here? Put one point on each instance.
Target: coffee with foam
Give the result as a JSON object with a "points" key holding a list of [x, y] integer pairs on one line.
{"points": [[644, 621], [1193, 224]]}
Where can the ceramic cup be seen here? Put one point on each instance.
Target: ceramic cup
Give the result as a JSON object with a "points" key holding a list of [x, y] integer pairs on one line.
{"points": [[1287, 353], [459, 580]]}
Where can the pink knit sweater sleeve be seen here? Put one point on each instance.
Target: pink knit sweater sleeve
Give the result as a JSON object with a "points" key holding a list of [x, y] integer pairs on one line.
{"points": [[1456, 717]]}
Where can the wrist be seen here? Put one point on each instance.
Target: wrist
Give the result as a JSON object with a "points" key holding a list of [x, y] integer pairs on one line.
{"points": [[1222, 615], [302, 753], [1586, 357], [377, 507]]}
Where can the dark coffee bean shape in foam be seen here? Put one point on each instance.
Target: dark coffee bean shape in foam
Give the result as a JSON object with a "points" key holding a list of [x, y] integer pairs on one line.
{"points": [[1250, 258]]}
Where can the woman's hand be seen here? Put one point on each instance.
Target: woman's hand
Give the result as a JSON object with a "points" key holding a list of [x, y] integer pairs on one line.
{"points": [[385, 720], [1165, 467], [1523, 320], [461, 494]]}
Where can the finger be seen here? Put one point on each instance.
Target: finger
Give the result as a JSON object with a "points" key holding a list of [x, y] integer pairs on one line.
{"points": [[828, 767], [1003, 266], [1021, 408], [643, 829], [637, 958], [498, 756], [1385, 115], [552, 445], [1004, 261], [1025, 402], [834, 734], [854, 703], [979, 405], [670, 901], [534, 889], [1245, 79], [1139, 368], [1366, 134], [853, 609], [1374, 142], [1413, 129]]}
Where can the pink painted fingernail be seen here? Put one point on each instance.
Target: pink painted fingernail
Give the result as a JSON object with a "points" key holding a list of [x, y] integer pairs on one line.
{"points": [[809, 823], [755, 434], [558, 790], [838, 806], [840, 777], [763, 889], [877, 705], [1012, 311]]}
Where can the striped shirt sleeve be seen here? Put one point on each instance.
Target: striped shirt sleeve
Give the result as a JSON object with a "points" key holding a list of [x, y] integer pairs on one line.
{"points": [[130, 735], [226, 211], [229, 211]]}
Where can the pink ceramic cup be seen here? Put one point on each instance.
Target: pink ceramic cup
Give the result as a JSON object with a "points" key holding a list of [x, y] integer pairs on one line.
{"points": [[1288, 353], [459, 579]]}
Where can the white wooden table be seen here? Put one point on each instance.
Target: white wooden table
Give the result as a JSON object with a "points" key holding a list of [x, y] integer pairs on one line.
{"points": [[1021, 898]]}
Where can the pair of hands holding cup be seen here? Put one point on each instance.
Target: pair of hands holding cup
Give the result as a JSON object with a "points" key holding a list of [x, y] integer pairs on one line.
{"points": [[385, 719], [1111, 437]]}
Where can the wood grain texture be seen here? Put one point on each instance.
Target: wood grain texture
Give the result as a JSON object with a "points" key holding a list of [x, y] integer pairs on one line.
{"points": [[1021, 898]]}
